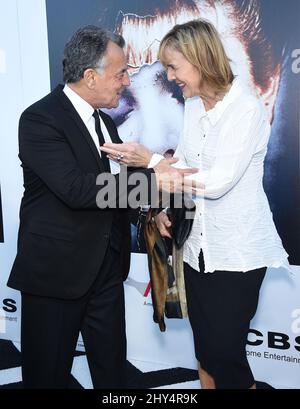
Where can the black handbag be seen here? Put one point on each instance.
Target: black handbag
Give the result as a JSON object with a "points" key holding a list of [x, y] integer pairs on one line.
{"points": [[182, 218]]}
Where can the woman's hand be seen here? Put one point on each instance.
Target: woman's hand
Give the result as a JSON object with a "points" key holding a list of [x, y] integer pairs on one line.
{"points": [[163, 224], [129, 153]]}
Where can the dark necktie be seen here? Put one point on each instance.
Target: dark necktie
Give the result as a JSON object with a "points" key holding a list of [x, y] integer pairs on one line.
{"points": [[104, 158]]}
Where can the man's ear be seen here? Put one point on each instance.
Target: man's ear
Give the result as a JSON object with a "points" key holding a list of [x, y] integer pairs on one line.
{"points": [[89, 77], [269, 94]]}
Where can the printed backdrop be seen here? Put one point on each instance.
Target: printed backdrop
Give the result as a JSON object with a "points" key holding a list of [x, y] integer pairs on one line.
{"points": [[263, 44]]}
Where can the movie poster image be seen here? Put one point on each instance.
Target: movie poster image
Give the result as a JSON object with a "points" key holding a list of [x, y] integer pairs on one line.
{"points": [[261, 40]]}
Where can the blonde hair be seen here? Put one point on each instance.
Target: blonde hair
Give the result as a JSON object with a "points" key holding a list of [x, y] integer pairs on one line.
{"points": [[200, 44]]}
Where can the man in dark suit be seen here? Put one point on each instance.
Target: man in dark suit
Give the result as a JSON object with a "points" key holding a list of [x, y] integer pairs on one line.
{"points": [[72, 255]]}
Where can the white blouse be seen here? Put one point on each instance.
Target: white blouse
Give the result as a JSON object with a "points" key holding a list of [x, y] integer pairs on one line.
{"points": [[233, 224]]}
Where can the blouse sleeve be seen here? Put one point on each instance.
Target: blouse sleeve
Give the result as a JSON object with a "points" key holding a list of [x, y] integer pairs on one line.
{"points": [[248, 135]]}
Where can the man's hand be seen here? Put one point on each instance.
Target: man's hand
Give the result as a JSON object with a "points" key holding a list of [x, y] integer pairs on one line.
{"points": [[168, 178], [163, 224], [172, 180], [129, 153]]}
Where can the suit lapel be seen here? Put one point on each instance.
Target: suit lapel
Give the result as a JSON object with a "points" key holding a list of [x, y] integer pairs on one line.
{"points": [[71, 111]]}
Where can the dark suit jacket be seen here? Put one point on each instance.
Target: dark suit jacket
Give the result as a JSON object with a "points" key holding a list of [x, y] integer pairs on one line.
{"points": [[63, 235]]}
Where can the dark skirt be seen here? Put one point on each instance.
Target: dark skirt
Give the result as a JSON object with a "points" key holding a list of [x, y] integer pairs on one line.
{"points": [[220, 307]]}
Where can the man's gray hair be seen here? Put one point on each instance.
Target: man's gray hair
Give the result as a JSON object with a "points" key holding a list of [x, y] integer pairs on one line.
{"points": [[87, 49]]}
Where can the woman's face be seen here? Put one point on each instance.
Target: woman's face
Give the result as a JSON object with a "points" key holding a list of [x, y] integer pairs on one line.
{"points": [[180, 70]]}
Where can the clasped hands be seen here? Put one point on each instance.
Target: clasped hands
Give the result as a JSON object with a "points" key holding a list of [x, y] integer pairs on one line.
{"points": [[168, 178]]}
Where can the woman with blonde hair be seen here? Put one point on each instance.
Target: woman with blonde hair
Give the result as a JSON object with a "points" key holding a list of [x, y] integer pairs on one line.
{"points": [[233, 239]]}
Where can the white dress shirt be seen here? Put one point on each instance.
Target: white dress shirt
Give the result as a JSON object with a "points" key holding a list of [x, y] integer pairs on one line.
{"points": [[85, 111], [233, 223]]}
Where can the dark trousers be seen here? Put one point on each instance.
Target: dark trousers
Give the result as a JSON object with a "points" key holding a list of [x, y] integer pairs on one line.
{"points": [[220, 307], [50, 329]]}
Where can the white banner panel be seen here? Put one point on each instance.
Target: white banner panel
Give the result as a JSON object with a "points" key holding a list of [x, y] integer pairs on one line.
{"points": [[24, 78], [145, 341], [275, 354], [11, 103], [275, 336]]}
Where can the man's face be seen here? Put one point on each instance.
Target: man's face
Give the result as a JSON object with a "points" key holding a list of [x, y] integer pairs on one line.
{"points": [[112, 80]]}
